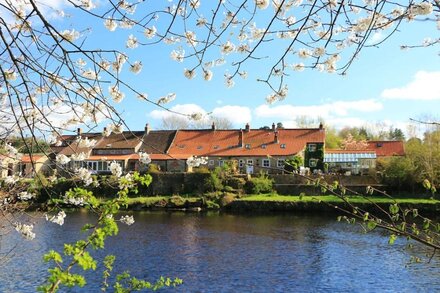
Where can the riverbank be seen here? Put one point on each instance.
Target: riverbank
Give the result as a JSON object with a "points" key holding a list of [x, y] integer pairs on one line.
{"points": [[277, 203]]}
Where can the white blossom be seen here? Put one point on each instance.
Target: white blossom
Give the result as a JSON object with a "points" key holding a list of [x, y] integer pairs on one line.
{"points": [[144, 158], [304, 53], [207, 75], [136, 67], [85, 176], [117, 128], [227, 48], [128, 220], [196, 116], [116, 94], [262, 4], [57, 219], [168, 98], [76, 201], [10, 74], [195, 161], [62, 159], [190, 74], [70, 35], [116, 169], [150, 32], [131, 42], [25, 230], [298, 67], [85, 142], [110, 24], [10, 180], [178, 55], [126, 181], [24, 195], [423, 8]]}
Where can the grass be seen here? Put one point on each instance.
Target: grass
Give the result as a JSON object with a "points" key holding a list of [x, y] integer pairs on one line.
{"points": [[335, 199]]}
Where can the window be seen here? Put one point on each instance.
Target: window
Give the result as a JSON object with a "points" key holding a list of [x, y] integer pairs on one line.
{"points": [[211, 163], [263, 146], [280, 163], [266, 163], [313, 162], [250, 162], [312, 147], [221, 163], [379, 144], [283, 145], [240, 163], [247, 146]]}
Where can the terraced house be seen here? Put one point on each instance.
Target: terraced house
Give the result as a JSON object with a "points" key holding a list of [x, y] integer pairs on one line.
{"points": [[251, 149]]}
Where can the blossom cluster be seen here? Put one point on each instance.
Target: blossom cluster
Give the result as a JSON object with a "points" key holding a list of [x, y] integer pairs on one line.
{"points": [[195, 161], [144, 158], [128, 220], [57, 219], [25, 230]]}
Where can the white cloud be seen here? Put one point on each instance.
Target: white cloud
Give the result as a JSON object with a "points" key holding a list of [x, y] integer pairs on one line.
{"points": [[329, 110], [235, 114], [424, 86], [377, 37]]}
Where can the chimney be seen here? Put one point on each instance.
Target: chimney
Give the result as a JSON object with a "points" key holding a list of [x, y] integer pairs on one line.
{"points": [[147, 128], [240, 138], [276, 140], [273, 126], [321, 126], [247, 127], [79, 131], [213, 125]]}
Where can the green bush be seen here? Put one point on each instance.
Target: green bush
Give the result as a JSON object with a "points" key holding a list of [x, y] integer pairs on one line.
{"points": [[235, 182], [213, 182], [260, 184], [202, 170]]}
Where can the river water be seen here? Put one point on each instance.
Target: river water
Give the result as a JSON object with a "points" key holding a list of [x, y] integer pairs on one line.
{"points": [[233, 253]]}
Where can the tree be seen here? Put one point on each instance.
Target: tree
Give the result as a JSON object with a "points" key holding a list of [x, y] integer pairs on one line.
{"points": [[50, 68]]}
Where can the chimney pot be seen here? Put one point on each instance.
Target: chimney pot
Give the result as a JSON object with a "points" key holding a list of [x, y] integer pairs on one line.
{"points": [[273, 126], [247, 127], [79, 131], [213, 125], [276, 140], [147, 128]]}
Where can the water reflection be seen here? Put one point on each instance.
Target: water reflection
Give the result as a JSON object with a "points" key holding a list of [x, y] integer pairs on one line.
{"points": [[236, 253]]}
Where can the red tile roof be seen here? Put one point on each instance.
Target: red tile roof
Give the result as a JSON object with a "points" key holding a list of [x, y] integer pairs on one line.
{"points": [[29, 159], [256, 142], [386, 148]]}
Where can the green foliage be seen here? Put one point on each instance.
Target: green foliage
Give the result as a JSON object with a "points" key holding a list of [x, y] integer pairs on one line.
{"points": [[78, 253], [215, 180], [293, 163], [201, 170], [153, 168], [258, 185]]}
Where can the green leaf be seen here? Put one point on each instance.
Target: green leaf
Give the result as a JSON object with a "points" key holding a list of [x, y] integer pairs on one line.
{"points": [[392, 239], [371, 225]]}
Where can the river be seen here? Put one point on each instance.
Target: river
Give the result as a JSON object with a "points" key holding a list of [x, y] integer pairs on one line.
{"points": [[233, 253]]}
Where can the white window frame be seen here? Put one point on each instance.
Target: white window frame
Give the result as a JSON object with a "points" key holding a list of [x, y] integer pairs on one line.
{"points": [[241, 163], [314, 164], [250, 162], [221, 163], [211, 163], [280, 163], [265, 163], [312, 147]]}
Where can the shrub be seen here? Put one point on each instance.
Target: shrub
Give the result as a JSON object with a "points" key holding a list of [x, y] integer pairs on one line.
{"points": [[260, 184], [202, 170], [235, 182], [227, 199], [153, 168], [213, 182]]}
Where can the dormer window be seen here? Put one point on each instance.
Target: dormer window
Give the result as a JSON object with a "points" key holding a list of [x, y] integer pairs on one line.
{"points": [[312, 147], [283, 145], [263, 146], [379, 144], [247, 146]]}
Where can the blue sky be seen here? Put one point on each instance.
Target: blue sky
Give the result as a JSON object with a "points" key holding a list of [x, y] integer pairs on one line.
{"points": [[385, 84]]}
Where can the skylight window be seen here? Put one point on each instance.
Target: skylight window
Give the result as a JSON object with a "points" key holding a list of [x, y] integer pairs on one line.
{"points": [[283, 145], [263, 146], [247, 146]]}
